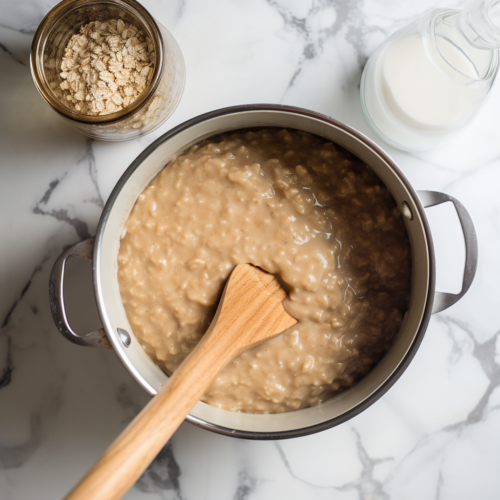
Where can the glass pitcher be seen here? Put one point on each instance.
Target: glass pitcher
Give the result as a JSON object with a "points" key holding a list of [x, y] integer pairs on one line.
{"points": [[430, 78]]}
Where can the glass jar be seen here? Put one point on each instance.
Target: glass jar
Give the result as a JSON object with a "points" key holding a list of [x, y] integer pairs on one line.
{"points": [[430, 78], [151, 108]]}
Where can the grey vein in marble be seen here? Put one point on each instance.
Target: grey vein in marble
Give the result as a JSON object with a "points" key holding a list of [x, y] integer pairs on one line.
{"points": [[162, 475], [366, 485], [8, 52], [7, 366], [15, 456], [247, 485], [485, 354], [443, 438], [126, 401], [12, 457], [24, 31], [62, 215], [348, 14], [293, 474], [86, 159], [88, 156], [26, 287]]}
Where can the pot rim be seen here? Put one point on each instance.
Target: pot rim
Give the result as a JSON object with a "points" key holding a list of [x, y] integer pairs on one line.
{"points": [[409, 355]]}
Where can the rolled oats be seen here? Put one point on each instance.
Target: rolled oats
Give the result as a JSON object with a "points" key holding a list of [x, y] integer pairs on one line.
{"points": [[106, 67]]}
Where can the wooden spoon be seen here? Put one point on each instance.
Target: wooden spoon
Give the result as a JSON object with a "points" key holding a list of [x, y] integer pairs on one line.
{"points": [[250, 311]]}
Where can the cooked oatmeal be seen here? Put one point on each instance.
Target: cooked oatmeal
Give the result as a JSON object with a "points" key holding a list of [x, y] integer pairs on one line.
{"points": [[297, 206]]}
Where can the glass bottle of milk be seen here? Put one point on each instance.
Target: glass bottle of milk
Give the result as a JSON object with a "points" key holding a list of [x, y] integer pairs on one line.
{"points": [[430, 78]]}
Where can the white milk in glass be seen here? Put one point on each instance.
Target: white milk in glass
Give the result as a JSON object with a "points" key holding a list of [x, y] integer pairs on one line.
{"points": [[426, 82]]}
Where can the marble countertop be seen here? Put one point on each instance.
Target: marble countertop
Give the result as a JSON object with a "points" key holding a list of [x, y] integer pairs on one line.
{"points": [[434, 435]]}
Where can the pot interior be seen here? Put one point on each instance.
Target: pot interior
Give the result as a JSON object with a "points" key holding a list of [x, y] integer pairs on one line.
{"points": [[151, 378]]}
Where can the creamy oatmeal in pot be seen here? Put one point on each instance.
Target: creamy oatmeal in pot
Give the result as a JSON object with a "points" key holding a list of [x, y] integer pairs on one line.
{"points": [[297, 206]]}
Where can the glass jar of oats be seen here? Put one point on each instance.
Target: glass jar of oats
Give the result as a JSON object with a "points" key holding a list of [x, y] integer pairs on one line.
{"points": [[108, 68]]}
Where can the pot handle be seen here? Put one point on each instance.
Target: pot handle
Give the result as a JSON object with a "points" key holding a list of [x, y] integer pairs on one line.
{"points": [[84, 250], [443, 300]]}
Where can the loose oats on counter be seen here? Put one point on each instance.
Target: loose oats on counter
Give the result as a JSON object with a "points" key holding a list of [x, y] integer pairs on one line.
{"points": [[106, 67]]}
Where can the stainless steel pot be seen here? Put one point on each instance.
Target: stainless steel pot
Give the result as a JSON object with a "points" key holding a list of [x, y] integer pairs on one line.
{"points": [[117, 333]]}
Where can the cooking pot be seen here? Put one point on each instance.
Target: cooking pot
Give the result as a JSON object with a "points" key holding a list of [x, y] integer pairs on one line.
{"points": [[117, 334]]}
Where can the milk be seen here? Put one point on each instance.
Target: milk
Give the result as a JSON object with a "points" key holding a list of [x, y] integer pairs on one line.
{"points": [[419, 91], [420, 87]]}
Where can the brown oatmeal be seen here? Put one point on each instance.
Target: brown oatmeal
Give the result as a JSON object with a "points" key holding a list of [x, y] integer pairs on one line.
{"points": [[298, 207]]}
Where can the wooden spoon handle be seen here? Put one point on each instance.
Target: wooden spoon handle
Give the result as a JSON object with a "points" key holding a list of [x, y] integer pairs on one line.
{"points": [[250, 311], [136, 447]]}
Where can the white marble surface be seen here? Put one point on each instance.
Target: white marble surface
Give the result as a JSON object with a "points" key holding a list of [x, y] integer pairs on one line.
{"points": [[435, 435]]}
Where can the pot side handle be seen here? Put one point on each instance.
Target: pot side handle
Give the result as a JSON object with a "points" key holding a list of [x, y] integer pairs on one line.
{"points": [[84, 250], [443, 300]]}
